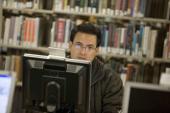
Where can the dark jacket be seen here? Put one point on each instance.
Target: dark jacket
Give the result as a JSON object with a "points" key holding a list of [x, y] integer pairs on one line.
{"points": [[106, 89]]}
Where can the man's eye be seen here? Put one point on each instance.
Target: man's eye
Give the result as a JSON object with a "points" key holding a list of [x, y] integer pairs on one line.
{"points": [[78, 46], [90, 47]]}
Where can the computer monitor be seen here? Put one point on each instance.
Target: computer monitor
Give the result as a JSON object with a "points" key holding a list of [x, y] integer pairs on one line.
{"points": [[56, 84], [7, 86], [146, 98]]}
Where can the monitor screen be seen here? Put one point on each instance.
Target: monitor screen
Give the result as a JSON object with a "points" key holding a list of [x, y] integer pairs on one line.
{"points": [[146, 98], [7, 85], [56, 84]]}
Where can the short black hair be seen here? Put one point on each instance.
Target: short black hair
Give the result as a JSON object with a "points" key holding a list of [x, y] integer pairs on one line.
{"points": [[88, 28]]}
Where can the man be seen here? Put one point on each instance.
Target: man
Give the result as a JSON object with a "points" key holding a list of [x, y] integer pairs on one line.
{"points": [[106, 89]]}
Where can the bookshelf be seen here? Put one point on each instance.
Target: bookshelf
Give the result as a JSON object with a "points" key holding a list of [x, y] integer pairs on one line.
{"points": [[97, 15], [40, 49], [105, 18], [136, 58], [108, 55], [147, 68]]}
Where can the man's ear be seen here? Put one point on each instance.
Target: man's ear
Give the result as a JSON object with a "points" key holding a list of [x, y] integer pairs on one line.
{"points": [[97, 50]]}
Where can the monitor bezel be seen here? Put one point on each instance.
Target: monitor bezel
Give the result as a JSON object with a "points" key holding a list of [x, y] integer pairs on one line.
{"points": [[12, 76], [130, 84], [63, 59]]}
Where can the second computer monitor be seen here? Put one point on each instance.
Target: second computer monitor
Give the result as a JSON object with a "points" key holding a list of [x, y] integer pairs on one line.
{"points": [[146, 98]]}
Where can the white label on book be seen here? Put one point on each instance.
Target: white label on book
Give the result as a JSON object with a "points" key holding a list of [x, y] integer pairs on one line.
{"points": [[89, 10], [167, 70], [164, 79], [77, 9], [81, 10], [93, 10], [103, 11]]}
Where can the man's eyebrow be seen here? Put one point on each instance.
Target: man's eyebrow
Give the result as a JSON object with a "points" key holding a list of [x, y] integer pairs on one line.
{"points": [[90, 45], [79, 43]]}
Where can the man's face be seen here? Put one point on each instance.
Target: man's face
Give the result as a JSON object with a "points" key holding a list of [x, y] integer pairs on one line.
{"points": [[83, 46]]}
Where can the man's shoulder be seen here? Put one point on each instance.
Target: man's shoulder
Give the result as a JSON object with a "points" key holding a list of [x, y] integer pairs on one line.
{"points": [[105, 69]]}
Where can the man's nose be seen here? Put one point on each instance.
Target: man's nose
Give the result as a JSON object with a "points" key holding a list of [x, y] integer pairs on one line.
{"points": [[83, 50]]}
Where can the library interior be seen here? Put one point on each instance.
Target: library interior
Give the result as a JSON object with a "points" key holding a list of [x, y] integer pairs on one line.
{"points": [[125, 68]]}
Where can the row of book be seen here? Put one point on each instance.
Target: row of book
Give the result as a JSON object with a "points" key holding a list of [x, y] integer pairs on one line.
{"points": [[134, 8], [12, 63], [35, 32], [147, 72], [125, 39], [131, 39], [21, 32]]}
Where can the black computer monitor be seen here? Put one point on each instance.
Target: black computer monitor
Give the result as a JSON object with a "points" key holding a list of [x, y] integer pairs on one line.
{"points": [[146, 98], [56, 85]]}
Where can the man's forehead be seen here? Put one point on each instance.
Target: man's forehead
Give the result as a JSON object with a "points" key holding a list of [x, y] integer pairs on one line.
{"points": [[85, 38]]}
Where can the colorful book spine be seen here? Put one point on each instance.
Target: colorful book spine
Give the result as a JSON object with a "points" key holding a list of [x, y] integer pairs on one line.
{"points": [[60, 31]]}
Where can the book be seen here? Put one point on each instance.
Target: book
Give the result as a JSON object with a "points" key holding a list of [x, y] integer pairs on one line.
{"points": [[58, 5], [1, 24], [68, 25], [60, 25], [36, 4], [48, 5], [160, 42], [66, 5], [104, 6], [148, 73], [6, 32], [118, 7], [11, 30], [72, 4], [52, 34], [152, 46], [146, 40], [100, 6], [18, 67]]}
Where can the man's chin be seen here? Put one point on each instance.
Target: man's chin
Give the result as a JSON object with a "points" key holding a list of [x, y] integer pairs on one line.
{"points": [[85, 59], [80, 58]]}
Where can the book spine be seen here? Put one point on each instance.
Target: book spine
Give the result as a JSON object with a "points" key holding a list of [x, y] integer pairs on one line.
{"points": [[16, 30], [1, 21], [67, 32], [52, 35], [20, 27], [6, 33], [72, 4], [153, 40], [145, 41], [11, 30], [60, 32], [36, 4], [77, 5], [58, 5]]}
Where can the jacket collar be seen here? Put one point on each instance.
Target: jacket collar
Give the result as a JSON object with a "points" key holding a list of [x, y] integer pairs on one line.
{"points": [[97, 70]]}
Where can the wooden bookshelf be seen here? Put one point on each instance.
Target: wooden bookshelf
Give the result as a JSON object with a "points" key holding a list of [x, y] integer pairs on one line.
{"points": [[42, 11], [106, 19], [41, 49], [108, 55], [137, 58], [28, 11]]}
